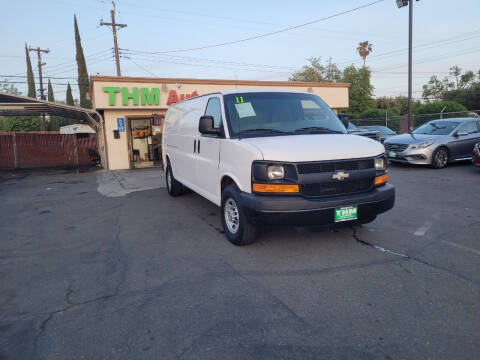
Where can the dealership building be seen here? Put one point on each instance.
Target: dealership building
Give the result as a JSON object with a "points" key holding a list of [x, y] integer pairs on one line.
{"points": [[133, 110]]}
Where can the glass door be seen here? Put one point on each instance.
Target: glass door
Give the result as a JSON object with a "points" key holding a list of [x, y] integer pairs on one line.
{"points": [[141, 136]]}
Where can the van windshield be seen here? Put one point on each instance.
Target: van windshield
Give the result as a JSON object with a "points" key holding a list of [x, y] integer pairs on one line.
{"points": [[278, 113]]}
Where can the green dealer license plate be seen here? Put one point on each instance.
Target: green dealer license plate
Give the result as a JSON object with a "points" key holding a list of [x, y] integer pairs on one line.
{"points": [[392, 154], [346, 213]]}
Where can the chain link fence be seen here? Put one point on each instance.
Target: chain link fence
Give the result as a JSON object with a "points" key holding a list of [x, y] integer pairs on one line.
{"points": [[393, 122]]}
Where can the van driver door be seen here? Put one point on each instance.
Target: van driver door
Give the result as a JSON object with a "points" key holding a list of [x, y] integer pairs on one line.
{"points": [[208, 154]]}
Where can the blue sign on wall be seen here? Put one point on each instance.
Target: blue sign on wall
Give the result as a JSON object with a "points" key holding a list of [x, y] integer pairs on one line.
{"points": [[121, 124]]}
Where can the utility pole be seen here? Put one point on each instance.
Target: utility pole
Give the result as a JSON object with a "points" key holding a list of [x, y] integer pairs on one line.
{"points": [[400, 4], [114, 26], [410, 46], [40, 64]]}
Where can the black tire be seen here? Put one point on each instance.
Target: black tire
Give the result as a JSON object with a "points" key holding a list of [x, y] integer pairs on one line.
{"points": [[174, 187], [440, 157], [246, 232]]}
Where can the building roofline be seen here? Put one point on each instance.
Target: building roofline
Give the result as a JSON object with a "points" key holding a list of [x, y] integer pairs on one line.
{"points": [[217, 81]]}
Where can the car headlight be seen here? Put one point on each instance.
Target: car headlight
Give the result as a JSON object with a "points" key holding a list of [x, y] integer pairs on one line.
{"points": [[380, 163], [275, 172], [421, 145]]}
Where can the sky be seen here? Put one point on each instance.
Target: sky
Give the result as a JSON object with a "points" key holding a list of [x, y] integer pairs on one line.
{"points": [[446, 33]]}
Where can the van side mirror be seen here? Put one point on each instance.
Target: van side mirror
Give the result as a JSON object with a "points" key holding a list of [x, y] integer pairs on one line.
{"points": [[344, 119], [461, 133], [205, 126]]}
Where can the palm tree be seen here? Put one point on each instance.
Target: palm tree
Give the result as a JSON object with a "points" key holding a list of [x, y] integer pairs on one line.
{"points": [[364, 49]]}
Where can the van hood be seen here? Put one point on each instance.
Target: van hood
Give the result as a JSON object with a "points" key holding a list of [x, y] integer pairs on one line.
{"points": [[315, 147]]}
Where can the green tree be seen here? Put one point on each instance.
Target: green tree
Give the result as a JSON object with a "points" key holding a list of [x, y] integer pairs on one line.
{"points": [[377, 114], [21, 123], [317, 72], [431, 111], [50, 96], [17, 123], [30, 79], [361, 89], [52, 121], [466, 79], [456, 71], [364, 49], [434, 89], [83, 80], [69, 97]]}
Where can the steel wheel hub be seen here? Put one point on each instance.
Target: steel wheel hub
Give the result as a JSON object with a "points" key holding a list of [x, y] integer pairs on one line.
{"points": [[232, 217]]}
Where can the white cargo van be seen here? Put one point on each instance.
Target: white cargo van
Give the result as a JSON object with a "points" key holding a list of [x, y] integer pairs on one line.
{"points": [[274, 157]]}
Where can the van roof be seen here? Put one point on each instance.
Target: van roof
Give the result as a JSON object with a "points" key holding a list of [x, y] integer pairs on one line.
{"points": [[242, 91]]}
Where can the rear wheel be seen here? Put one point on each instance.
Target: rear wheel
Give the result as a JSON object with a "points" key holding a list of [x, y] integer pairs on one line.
{"points": [[440, 158], [174, 187], [238, 229]]}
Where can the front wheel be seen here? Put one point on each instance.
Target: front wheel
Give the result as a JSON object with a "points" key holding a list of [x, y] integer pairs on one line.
{"points": [[238, 229], [440, 158]]}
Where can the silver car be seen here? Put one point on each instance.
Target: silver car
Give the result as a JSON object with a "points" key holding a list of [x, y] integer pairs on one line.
{"points": [[435, 143]]}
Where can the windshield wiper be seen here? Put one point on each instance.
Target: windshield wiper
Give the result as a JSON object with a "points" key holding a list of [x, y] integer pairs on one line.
{"points": [[264, 130], [319, 129]]}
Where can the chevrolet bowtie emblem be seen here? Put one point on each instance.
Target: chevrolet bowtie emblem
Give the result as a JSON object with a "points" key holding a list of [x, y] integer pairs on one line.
{"points": [[340, 175]]}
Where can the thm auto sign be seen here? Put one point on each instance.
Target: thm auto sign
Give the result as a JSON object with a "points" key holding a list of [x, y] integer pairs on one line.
{"points": [[141, 96]]}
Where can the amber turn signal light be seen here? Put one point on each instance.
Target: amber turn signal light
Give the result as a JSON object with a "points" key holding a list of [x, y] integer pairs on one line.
{"points": [[382, 179], [276, 188]]}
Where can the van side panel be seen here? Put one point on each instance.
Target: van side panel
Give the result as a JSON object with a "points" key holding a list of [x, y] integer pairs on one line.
{"points": [[236, 159], [180, 134]]}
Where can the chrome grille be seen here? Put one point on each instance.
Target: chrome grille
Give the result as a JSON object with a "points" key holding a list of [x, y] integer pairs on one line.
{"points": [[395, 147], [331, 166], [337, 188]]}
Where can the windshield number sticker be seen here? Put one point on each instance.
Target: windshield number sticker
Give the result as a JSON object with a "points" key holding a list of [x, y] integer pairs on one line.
{"points": [[239, 99]]}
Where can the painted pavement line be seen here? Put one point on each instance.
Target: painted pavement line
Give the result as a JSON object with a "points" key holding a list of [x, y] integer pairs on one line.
{"points": [[458, 246]]}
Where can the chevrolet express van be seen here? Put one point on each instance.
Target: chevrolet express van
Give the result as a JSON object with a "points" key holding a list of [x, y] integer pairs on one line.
{"points": [[273, 157]]}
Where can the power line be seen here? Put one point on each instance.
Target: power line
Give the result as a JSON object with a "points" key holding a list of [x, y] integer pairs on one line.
{"points": [[468, 35], [141, 67], [274, 32], [196, 59]]}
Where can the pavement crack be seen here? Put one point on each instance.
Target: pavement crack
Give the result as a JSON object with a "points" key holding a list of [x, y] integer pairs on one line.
{"points": [[413, 258], [376, 247]]}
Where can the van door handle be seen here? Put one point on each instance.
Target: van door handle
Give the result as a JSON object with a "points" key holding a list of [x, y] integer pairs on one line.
{"points": [[198, 147], [195, 146]]}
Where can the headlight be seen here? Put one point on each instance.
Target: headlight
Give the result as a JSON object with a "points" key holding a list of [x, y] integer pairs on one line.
{"points": [[421, 145], [380, 163], [275, 172]]}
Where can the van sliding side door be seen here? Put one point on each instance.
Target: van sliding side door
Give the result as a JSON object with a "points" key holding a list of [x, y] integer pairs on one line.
{"points": [[208, 154]]}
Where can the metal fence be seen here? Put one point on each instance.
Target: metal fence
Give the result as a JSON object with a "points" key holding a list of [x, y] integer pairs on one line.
{"points": [[393, 122], [44, 149]]}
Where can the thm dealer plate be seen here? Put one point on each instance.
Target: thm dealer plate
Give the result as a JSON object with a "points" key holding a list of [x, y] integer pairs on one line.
{"points": [[346, 213]]}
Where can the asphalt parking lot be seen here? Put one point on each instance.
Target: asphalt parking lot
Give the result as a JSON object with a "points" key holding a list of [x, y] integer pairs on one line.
{"points": [[95, 266]]}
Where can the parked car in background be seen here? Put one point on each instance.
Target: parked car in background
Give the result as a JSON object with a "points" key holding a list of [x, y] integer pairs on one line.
{"points": [[435, 143], [476, 154], [352, 129], [385, 132]]}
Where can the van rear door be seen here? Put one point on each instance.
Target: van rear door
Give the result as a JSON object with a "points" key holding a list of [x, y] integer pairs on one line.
{"points": [[208, 154]]}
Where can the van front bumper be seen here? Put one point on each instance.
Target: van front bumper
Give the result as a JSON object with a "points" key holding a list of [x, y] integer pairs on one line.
{"points": [[297, 210]]}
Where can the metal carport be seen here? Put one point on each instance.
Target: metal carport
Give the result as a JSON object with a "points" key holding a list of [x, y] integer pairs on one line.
{"points": [[18, 105]]}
